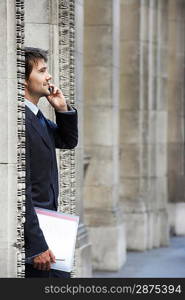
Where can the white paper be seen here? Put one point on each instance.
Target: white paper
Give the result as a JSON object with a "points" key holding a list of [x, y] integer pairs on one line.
{"points": [[60, 231]]}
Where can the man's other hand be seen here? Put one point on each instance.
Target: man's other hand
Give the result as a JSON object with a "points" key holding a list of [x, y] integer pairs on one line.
{"points": [[43, 261]]}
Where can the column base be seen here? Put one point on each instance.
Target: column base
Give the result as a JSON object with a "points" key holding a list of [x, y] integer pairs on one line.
{"points": [[83, 266], [109, 247]]}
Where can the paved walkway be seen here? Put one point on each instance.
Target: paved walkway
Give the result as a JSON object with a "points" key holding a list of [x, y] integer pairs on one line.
{"points": [[158, 263]]}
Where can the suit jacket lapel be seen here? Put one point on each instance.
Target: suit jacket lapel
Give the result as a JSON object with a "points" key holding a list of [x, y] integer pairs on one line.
{"points": [[38, 127]]}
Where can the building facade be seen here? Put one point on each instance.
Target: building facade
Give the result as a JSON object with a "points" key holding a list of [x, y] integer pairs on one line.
{"points": [[121, 63]]}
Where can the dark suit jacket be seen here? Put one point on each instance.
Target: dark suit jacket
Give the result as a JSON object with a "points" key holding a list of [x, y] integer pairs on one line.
{"points": [[41, 170]]}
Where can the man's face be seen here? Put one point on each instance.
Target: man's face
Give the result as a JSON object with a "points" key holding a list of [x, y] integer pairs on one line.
{"points": [[38, 83]]}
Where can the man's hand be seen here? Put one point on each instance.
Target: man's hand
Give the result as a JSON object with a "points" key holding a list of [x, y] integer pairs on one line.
{"points": [[56, 99], [44, 260]]}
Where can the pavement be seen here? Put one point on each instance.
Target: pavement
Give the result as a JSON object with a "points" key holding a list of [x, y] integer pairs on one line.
{"points": [[162, 262]]}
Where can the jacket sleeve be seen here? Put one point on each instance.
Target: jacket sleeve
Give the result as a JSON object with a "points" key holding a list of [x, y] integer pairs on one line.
{"points": [[65, 131], [34, 239]]}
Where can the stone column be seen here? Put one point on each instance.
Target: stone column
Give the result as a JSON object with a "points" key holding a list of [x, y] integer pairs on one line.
{"points": [[8, 141], [130, 126], [101, 128], [83, 251], [156, 196], [143, 124], [176, 122]]}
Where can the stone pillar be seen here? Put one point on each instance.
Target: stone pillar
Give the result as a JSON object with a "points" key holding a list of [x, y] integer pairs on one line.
{"points": [[143, 124], [101, 128], [156, 196], [83, 251], [176, 122], [8, 141], [130, 126]]}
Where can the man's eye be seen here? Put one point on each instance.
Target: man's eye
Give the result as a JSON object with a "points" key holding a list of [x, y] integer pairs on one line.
{"points": [[42, 70]]}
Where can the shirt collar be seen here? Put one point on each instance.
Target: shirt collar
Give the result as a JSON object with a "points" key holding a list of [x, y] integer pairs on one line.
{"points": [[32, 106]]}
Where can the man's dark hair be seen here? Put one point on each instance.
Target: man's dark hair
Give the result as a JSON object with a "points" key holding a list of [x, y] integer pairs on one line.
{"points": [[32, 55]]}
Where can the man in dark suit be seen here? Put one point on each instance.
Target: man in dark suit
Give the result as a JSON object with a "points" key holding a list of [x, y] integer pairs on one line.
{"points": [[42, 137]]}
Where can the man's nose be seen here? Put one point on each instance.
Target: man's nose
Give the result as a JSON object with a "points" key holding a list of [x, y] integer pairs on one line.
{"points": [[49, 76]]}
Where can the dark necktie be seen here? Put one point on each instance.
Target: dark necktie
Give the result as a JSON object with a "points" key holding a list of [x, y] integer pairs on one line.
{"points": [[41, 118], [42, 121]]}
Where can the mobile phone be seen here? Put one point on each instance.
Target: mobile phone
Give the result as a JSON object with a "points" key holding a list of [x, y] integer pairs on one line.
{"points": [[51, 88]]}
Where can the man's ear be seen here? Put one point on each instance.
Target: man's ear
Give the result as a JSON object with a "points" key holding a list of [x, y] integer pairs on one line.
{"points": [[25, 83]]}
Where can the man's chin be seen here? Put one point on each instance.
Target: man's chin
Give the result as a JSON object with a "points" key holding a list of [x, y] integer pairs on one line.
{"points": [[46, 90], [45, 93]]}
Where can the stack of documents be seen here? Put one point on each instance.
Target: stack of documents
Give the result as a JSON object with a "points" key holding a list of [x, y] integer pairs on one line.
{"points": [[60, 231]]}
